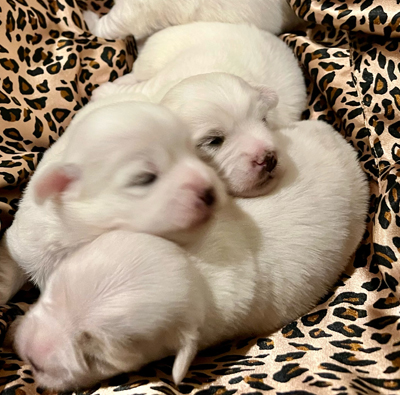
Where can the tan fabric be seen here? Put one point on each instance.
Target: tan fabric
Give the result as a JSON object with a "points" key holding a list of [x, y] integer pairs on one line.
{"points": [[49, 65], [349, 344]]}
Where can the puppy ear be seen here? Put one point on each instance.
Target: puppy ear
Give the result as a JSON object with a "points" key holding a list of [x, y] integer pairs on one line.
{"points": [[55, 180], [268, 95], [185, 356]]}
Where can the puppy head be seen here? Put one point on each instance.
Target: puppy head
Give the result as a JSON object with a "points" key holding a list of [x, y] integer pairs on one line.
{"points": [[130, 166], [124, 317], [38, 341], [229, 123]]}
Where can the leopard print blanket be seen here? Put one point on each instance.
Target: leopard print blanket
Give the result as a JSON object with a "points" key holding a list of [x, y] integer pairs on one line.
{"points": [[350, 343], [49, 65]]}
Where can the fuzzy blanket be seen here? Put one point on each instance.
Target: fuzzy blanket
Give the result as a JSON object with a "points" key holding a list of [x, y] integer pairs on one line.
{"points": [[350, 343]]}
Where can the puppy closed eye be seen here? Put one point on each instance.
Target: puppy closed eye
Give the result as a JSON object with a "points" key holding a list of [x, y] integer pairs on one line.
{"points": [[213, 141], [143, 179], [216, 141]]}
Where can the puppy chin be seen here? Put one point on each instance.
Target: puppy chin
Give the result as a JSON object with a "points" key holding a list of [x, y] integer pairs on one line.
{"points": [[262, 190], [194, 207], [66, 378], [61, 384], [189, 223], [53, 384], [194, 217], [256, 187]]}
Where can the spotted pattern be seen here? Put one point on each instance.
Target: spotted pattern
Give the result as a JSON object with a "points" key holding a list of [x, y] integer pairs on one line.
{"points": [[49, 65], [350, 343]]}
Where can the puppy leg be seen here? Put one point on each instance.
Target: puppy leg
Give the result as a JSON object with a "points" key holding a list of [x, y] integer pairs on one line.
{"points": [[140, 18], [112, 26], [127, 79], [118, 92], [92, 20], [10, 334], [104, 91]]}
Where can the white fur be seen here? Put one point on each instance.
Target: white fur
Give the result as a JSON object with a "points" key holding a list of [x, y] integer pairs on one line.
{"points": [[225, 107], [128, 299], [144, 17], [180, 52], [141, 286], [247, 77], [89, 182]]}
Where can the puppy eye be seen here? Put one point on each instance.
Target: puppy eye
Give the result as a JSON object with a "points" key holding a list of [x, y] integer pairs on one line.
{"points": [[216, 141], [143, 179], [264, 119], [211, 142]]}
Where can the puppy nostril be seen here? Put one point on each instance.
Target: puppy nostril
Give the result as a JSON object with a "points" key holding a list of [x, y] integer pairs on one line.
{"points": [[208, 197], [270, 161]]}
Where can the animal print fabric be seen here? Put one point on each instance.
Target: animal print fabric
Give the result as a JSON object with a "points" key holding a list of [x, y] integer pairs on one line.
{"points": [[49, 65], [350, 343]]}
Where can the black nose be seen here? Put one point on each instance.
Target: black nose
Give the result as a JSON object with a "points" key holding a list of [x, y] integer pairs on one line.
{"points": [[270, 161], [208, 197]]}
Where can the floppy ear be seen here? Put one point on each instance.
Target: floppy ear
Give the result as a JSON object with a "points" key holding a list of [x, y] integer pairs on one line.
{"points": [[54, 180], [185, 356], [268, 95]]}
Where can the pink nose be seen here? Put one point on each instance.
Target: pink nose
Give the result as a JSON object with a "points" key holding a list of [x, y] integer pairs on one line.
{"points": [[269, 161], [204, 192]]}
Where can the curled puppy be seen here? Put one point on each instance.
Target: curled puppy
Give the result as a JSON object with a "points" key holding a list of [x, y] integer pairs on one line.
{"points": [[142, 18], [230, 124], [246, 81], [113, 164], [261, 263], [113, 306], [179, 52]]}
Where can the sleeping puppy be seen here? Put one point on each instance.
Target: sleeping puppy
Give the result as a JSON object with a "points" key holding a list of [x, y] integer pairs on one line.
{"points": [[179, 52], [142, 18], [230, 124], [113, 306], [261, 263], [114, 163], [248, 78]]}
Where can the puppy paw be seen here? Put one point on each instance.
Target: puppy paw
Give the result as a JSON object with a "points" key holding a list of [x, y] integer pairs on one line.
{"points": [[127, 79], [103, 91], [11, 278], [92, 20], [10, 334]]}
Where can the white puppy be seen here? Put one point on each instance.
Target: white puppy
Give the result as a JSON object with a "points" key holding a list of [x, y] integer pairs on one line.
{"points": [[112, 306], [144, 17], [219, 55], [230, 126], [261, 263], [126, 166]]}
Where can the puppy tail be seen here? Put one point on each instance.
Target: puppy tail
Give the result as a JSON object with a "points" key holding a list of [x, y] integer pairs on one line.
{"points": [[185, 356]]}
